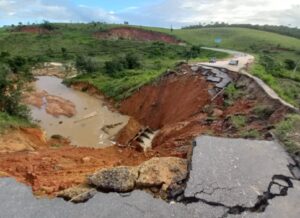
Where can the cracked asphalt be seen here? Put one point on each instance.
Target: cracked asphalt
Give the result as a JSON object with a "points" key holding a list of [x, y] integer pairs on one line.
{"points": [[229, 178]]}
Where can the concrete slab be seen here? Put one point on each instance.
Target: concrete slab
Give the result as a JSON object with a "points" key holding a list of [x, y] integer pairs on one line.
{"points": [[234, 172], [213, 79], [225, 173], [17, 201]]}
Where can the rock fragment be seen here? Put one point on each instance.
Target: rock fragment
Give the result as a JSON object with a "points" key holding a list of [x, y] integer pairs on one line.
{"points": [[118, 179], [162, 174], [77, 194]]}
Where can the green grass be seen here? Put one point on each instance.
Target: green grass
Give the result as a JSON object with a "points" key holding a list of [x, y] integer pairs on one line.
{"points": [[256, 42], [288, 89], [238, 121], [250, 134], [288, 132], [78, 39], [119, 88], [7, 121], [242, 39]]}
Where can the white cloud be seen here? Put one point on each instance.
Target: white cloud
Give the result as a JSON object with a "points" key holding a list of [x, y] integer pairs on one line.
{"points": [[55, 10], [160, 13], [179, 12]]}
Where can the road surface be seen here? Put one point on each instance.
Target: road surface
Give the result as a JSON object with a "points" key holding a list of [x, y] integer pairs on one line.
{"points": [[244, 61]]}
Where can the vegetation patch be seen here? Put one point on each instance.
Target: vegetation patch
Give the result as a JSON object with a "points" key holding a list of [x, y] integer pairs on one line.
{"points": [[231, 94], [7, 121], [288, 132], [263, 111], [250, 134], [238, 121]]}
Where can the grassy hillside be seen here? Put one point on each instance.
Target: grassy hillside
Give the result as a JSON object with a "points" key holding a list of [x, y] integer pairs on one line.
{"points": [[271, 50], [76, 42], [67, 41]]}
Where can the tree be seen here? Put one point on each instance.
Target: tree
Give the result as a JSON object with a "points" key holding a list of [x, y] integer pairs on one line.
{"points": [[132, 61], [18, 64], [64, 53], [10, 95], [271, 66], [47, 25], [192, 52], [85, 64], [290, 64], [113, 67], [117, 65]]}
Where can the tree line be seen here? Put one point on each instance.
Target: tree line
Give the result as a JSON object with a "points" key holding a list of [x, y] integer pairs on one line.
{"points": [[283, 30]]}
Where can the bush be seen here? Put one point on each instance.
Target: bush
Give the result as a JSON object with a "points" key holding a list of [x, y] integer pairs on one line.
{"points": [[250, 134], [114, 67], [238, 121], [117, 65], [156, 49], [271, 65], [263, 111], [8, 121], [132, 61], [64, 53], [231, 94], [10, 96], [192, 52], [86, 64], [47, 25], [18, 64], [288, 132], [290, 64]]}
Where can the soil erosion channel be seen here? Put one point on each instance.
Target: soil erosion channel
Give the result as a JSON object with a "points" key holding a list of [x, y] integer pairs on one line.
{"points": [[154, 146], [85, 116]]}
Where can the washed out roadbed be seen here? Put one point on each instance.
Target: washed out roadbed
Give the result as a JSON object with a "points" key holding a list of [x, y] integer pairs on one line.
{"points": [[178, 107]]}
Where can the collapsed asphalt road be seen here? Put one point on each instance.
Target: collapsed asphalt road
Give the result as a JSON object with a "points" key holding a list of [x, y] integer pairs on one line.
{"points": [[229, 178]]}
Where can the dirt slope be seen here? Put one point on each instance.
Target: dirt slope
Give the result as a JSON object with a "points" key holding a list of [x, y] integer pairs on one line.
{"points": [[173, 99], [22, 140], [136, 34]]}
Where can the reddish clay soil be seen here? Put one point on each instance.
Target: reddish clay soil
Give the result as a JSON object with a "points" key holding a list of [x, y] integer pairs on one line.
{"points": [[178, 104], [55, 105], [136, 34], [49, 169], [32, 29], [173, 99], [128, 132], [27, 139]]}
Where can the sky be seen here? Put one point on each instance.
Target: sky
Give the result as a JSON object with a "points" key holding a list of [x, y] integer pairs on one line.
{"points": [[162, 13]]}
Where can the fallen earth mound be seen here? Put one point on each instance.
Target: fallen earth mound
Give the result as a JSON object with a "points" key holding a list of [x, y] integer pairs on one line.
{"points": [[136, 34]]}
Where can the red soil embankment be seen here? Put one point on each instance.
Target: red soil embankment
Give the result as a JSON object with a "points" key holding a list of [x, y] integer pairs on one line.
{"points": [[27, 139], [51, 170], [136, 34], [173, 99], [54, 165]]}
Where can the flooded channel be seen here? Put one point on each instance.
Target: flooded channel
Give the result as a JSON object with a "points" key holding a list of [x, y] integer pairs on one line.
{"points": [[93, 125]]}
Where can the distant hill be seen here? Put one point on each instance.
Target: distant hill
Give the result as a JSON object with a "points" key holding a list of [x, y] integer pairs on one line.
{"points": [[283, 30], [276, 54]]}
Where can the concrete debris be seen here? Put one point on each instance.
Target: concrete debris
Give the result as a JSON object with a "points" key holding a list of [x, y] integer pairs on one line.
{"points": [[77, 194], [160, 173], [118, 179], [215, 75], [240, 175]]}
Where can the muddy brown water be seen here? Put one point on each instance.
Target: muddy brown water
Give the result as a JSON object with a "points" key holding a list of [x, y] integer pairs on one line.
{"points": [[86, 127]]}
